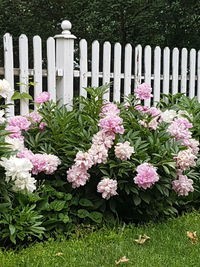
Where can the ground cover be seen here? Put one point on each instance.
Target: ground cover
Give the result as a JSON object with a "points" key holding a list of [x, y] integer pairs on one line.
{"points": [[168, 245]]}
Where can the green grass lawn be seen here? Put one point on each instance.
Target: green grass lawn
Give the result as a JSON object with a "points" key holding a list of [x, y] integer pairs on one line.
{"points": [[168, 246]]}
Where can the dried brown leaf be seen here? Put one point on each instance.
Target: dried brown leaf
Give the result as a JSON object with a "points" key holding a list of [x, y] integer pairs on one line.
{"points": [[59, 254], [192, 236], [123, 259], [142, 239]]}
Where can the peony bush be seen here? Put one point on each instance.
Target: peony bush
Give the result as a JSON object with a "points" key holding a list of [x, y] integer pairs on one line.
{"points": [[100, 162]]}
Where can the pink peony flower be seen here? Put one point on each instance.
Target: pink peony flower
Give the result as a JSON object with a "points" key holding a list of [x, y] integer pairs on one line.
{"points": [[46, 163], [143, 91], [98, 153], [34, 117], [182, 185], [103, 138], [147, 175], [84, 160], [19, 121], [111, 123], [193, 144], [25, 153], [42, 126], [43, 97], [123, 151], [185, 159], [15, 132], [78, 176], [179, 129], [108, 188], [109, 108], [154, 111]]}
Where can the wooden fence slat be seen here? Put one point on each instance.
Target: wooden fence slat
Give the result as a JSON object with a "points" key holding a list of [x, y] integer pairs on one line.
{"points": [[95, 64], [127, 69], [184, 56], [138, 66], [83, 67], [23, 78], [117, 72], [37, 57], [166, 70], [8, 66], [198, 76], [157, 62], [51, 67], [106, 67], [192, 73], [147, 70], [175, 70]]}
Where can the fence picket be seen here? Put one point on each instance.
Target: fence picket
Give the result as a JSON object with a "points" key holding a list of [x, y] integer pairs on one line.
{"points": [[8, 67], [127, 69], [198, 76], [175, 72], [166, 70], [117, 72], [51, 68], [147, 70], [106, 67], [37, 57], [95, 64], [83, 67], [157, 62], [184, 56], [23, 78], [192, 73], [138, 66]]}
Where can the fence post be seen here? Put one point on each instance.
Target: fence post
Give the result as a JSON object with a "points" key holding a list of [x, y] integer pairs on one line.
{"points": [[65, 64]]}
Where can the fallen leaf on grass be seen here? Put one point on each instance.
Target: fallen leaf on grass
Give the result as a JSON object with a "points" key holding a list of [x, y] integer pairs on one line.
{"points": [[192, 236], [142, 239], [59, 254], [123, 259]]}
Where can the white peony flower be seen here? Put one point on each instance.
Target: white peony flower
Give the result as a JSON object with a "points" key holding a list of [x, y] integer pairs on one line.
{"points": [[25, 183], [123, 151], [5, 89], [2, 119], [15, 167], [168, 115], [15, 143]]}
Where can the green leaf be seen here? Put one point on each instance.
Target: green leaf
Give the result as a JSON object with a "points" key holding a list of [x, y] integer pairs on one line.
{"points": [[146, 197], [12, 229], [85, 202], [57, 205], [136, 200], [16, 96], [96, 216], [26, 95], [83, 213]]}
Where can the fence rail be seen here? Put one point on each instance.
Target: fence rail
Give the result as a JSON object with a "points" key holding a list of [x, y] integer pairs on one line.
{"points": [[167, 71]]}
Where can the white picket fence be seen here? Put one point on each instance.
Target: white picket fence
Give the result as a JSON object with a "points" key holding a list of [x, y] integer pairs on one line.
{"points": [[167, 71]]}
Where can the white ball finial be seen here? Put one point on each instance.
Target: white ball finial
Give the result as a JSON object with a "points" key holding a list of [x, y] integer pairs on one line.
{"points": [[66, 27]]}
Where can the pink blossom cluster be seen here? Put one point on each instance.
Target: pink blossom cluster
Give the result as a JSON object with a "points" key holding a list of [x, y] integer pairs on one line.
{"points": [[110, 124], [15, 132], [182, 185], [146, 175], [143, 91], [46, 163], [153, 111], [108, 188], [192, 144], [42, 98], [123, 151], [34, 117], [185, 159]]}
